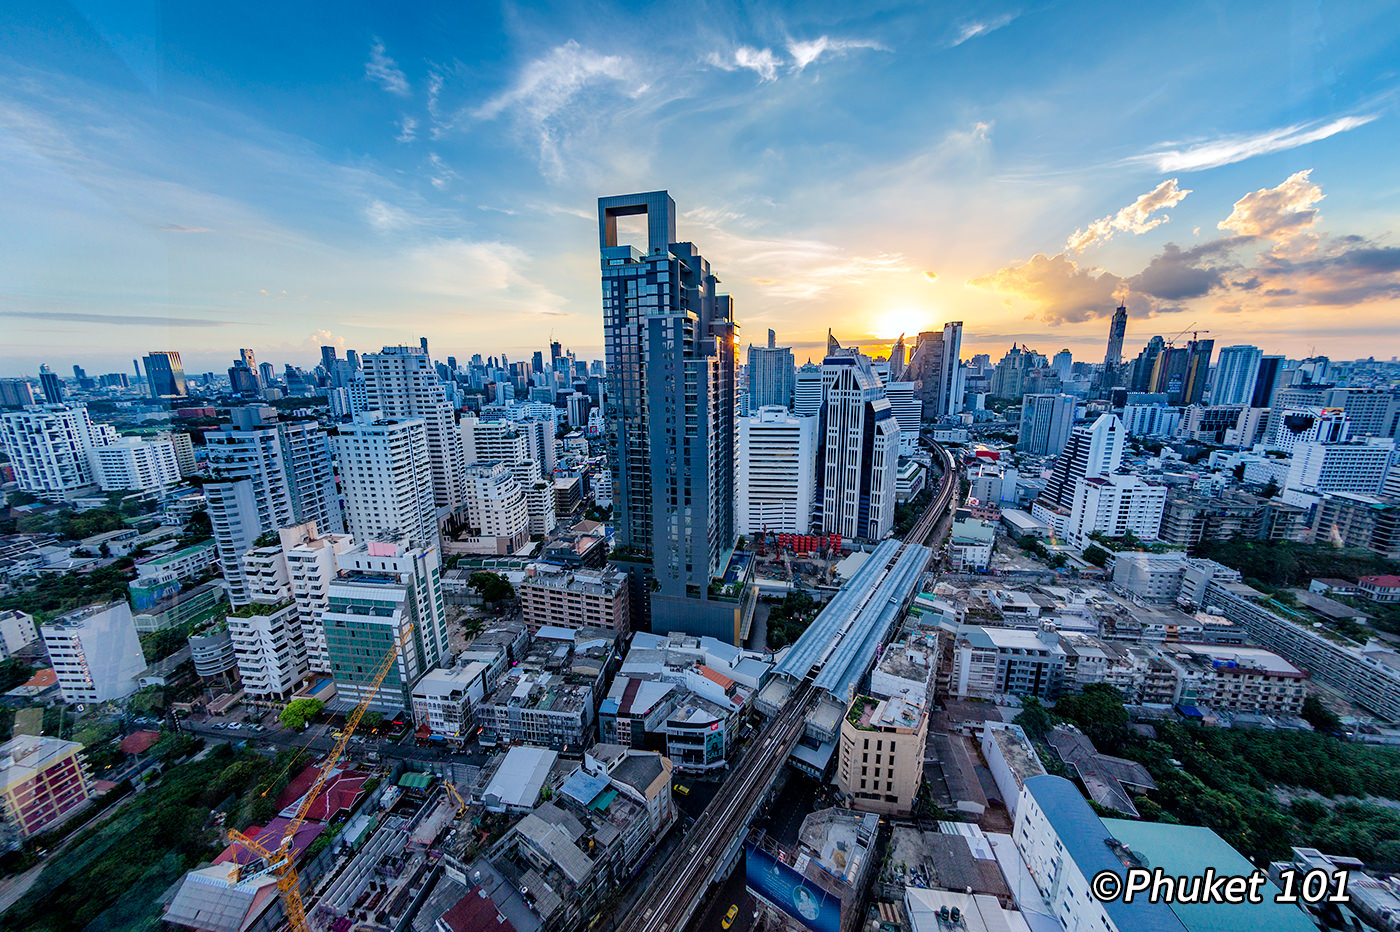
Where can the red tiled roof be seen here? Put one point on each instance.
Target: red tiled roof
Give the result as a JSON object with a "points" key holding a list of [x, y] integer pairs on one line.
{"points": [[43, 679], [139, 742], [1383, 582], [297, 788], [476, 912], [339, 794], [724, 682], [273, 832]]}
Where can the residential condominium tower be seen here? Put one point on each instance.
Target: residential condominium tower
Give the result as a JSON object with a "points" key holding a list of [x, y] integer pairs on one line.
{"points": [[671, 410], [772, 375], [935, 364], [859, 464], [401, 382], [386, 475]]}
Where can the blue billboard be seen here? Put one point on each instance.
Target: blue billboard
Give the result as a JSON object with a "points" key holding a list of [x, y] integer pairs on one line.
{"points": [[785, 888]]}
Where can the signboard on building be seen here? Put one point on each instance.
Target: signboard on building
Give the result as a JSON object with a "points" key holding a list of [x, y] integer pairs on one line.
{"points": [[786, 889]]}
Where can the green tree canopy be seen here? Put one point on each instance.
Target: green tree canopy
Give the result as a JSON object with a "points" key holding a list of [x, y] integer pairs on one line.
{"points": [[300, 711], [492, 587]]}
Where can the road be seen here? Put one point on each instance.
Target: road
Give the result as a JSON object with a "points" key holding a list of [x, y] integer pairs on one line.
{"points": [[684, 877]]}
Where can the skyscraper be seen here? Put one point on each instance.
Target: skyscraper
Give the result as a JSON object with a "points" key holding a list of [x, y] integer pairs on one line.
{"points": [[859, 464], [807, 390], [1093, 451], [897, 359], [51, 384], [400, 382], [777, 472], [245, 356], [1236, 375], [48, 447], [772, 375], [266, 374], [165, 376], [1046, 422], [1145, 366], [671, 409], [1116, 328], [1266, 381], [935, 363], [1193, 387]]}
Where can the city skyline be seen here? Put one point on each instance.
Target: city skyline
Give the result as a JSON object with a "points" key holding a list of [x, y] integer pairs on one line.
{"points": [[180, 188]]}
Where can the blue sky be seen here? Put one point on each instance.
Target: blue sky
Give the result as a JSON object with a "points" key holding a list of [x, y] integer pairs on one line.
{"points": [[199, 178]]}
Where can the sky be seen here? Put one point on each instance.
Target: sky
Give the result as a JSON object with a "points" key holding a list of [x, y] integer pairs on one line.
{"points": [[203, 177]]}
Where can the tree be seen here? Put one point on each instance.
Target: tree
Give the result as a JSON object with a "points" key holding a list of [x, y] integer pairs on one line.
{"points": [[1271, 488], [300, 711], [13, 672], [1096, 555], [492, 587], [1320, 717], [1034, 718], [1099, 713], [372, 720]]}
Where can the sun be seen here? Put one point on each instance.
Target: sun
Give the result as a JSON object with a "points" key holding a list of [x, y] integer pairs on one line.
{"points": [[905, 319]]}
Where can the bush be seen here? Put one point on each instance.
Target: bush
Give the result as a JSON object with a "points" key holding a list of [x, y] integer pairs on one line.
{"points": [[1096, 555]]}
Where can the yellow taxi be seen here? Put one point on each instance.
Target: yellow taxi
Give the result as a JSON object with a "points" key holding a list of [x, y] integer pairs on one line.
{"points": [[729, 916]]}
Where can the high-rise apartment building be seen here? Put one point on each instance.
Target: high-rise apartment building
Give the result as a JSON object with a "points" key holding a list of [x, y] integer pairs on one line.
{"points": [[859, 464], [48, 447], [383, 588], [772, 375], [1360, 466], [1270, 368], [1236, 375], [1093, 450], [265, 476], [670, 342], [1115, 505], [807, 390], [908, 410], [16, 393], [777, 471], [165, 376], [935, 365], [496, 511], [1372, 412], [386, 476], [51, 384], [1193, 386], [401, 382], [266, 374], [310, 559], [493, 441], [1046, 422], [95, 652], [133, 464], [881, 759]]}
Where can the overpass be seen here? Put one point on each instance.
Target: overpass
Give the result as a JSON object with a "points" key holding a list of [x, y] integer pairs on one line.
{"points": [[711, 843]]}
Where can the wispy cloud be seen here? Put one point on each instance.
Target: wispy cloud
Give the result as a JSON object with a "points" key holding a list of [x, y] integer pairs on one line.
{"points": [[1230, 149], [804, 53], [383, 70], [181, 228], [408, 129], [1136, 218], [980, 27], [111, 320]]}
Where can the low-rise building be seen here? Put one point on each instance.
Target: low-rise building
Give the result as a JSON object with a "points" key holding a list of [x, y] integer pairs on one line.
{"points": [[970, 545], [17, 631], [268, 646], [990, 661], [1237, 679], [881, 754], [575, 598], [43, 780], [183, 564], [444, 698], [1380, 589]]}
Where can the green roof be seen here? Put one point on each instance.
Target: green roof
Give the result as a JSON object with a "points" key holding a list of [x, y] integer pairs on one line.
{"points": [[1188, 850], [416, 781]]}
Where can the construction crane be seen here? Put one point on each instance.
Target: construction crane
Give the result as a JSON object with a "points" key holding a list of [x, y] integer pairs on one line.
{"points": [[1185, 330], [456, 797], [280, 859]]}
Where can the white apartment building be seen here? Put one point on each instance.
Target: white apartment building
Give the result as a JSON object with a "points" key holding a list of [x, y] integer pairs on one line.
{"points": [[95, 653], [861, 446], [132, 464], [908, 410], [1359, 467], [1046, 423], [1151, 420], [48, 449], [777, 471], [265, 477], [1236, 371], [386, 476], [495, 508], [269, 650], [310, 558], [1115, 505], [444, 698], [17, 631], [539, 497], [1290, 427], [401, 382], [493, 441]]}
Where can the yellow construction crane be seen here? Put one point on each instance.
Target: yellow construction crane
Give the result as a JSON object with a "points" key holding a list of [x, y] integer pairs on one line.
{"points": [[280, 858], [456, 797]]}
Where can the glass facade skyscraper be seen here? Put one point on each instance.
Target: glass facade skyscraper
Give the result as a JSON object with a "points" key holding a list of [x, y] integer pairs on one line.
{"points": [[671, 410]]}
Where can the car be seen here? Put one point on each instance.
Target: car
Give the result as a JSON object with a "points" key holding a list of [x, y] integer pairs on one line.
{"points": [[235, 725], [684, 791], [730, 916]]}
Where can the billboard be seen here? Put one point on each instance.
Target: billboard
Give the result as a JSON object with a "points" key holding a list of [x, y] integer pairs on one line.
{"points": [[785, 888]]}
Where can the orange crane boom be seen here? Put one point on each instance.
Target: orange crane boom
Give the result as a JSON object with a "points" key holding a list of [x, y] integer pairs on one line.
{"points": [[280, 859]]}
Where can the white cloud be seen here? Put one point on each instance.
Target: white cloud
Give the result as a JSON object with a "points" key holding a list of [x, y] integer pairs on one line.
{"points": [[440, 174], [386, 217], [1231, 149], [1278, 213], [547, 84], [382, 68], [760, 61], [980, 27], [470, 271], [408, 129], [1136, 218], [804, 53]]}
